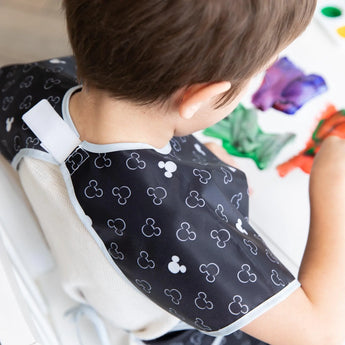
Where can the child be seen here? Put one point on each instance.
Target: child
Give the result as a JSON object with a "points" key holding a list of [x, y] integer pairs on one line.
{"points": [[146, 224]]}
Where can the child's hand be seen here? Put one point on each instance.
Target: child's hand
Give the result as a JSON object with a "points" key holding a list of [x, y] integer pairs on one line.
{"points": [[220, 152], [327, 178]]}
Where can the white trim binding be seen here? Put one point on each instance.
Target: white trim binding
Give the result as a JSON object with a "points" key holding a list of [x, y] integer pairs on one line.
{"points": [[104, 148], [32, 153], [259, 310]]}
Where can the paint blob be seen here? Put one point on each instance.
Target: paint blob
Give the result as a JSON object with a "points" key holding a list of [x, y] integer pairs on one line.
{"points": [[242, 137], [331, 11], [332, 122], [341, 31], [286, 88]]}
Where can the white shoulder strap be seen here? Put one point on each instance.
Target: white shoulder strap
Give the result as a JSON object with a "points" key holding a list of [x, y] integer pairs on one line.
{"points": [[54, 133]]}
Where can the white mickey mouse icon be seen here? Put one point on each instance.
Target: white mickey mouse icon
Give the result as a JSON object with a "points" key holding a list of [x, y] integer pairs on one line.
{"points": [[169, 166], [222, 236], [220, 212], [31, 142], [174, 266], [149, 229], [174, 294], [118, 225], [92, 190], [134, 162], [9, 122], [16, 143], [158, 194], [53, 100], [51, 82], [144, 262], [211, 270], [200, 324], [26, 82], [276, 279], [184, 233], [122, 194], [6, 102], [146, 286], [235, 200], [236, 307], [245, 275], [102, 161], [239, 227], [175, 144], [114, 251], [199, 149], [26, 103], [193, 200], [251, 245], [204, 175], [227, 175], [57, 61], [202, 303]]}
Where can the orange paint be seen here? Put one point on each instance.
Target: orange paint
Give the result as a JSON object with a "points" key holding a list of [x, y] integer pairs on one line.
{"points": [[332, 122]]}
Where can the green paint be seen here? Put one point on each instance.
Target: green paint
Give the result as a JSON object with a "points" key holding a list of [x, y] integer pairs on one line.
{"points": [[242, 136], [331, 12]]}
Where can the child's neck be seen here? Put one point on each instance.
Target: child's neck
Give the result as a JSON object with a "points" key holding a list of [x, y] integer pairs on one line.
{"points": [[101, 119]]}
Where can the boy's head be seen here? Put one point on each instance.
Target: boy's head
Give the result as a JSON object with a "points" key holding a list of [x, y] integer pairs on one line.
{"points": [[145, 51]]}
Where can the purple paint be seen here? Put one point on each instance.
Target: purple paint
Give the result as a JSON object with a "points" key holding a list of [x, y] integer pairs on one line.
{"points": [[286, 88]]}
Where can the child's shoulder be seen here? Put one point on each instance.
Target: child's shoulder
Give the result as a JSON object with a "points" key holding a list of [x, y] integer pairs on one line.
{"points": [[24, 85]]}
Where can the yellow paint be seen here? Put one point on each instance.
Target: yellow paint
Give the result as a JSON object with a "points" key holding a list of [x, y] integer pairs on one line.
{"points": [[341, 31]]}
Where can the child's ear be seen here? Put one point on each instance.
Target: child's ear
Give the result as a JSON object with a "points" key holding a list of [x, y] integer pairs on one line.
{"points": [[197, 94]]}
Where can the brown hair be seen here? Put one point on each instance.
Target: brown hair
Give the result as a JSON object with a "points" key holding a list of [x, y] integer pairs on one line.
{"points": [[145, 50]]}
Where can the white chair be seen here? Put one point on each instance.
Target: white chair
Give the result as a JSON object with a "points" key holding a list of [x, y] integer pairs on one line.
{"points": [[33, 307]]}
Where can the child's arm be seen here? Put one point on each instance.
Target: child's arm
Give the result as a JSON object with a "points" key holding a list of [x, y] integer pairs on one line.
{"points": [[315, 313]]}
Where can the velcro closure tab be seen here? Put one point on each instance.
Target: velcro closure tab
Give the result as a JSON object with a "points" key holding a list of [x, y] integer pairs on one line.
{"points": [[53, 132]]}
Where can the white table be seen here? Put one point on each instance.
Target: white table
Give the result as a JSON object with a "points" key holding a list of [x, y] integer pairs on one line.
{"points": [[279, 207]]}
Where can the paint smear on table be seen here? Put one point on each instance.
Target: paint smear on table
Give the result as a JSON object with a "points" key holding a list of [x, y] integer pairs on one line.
{"points": [[332, 122], [242, 137], [286, 88]]}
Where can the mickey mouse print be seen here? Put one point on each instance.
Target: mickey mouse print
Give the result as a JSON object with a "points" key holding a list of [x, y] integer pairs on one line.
{"points": [[173, 222]]}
